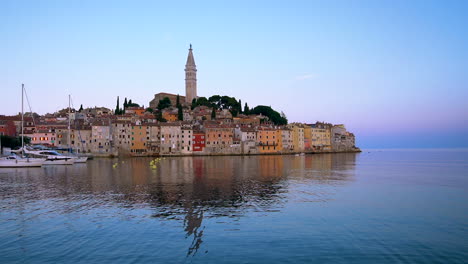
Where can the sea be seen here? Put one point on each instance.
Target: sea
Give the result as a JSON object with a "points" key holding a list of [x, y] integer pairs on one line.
{"points": [[377, 206]]}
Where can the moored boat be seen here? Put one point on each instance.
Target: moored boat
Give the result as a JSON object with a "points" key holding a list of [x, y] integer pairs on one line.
{"points": [[14, 161]]}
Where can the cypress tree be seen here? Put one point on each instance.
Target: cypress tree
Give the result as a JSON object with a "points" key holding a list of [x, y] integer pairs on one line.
{"points": [[246, 109], [177, 101], [213, 114], [117, 108], [180, 113], [81, 108], [125, 103]]}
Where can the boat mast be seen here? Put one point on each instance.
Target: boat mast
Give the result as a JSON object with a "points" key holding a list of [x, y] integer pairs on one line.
{"points": [[69, 120], [22, 120]]}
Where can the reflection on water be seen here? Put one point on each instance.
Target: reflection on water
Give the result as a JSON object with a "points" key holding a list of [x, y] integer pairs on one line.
{"points": [[188, 189], [373, 207]]}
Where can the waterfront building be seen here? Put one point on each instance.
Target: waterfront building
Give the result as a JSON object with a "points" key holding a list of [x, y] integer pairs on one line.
{"points": [[248, 139], [307, 137], [170, 138], [287, 141], [321, 136], [154, 141], [219, 138], [269, 140], [121, 135], [186, 139], [198, 141], [140, 135], [101, 137], [7, 128], [44, 137], [81, 139], [297, 136], [342, 140]]}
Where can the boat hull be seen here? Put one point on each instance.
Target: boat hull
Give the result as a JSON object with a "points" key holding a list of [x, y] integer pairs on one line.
{"points": [[81, 160], [59, 162], [26, 163]]}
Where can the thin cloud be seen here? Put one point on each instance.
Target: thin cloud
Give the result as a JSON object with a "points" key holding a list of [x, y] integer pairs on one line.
{"points": [[306, 76]]}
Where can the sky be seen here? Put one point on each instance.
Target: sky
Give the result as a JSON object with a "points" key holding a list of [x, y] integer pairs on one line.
{"points": [[394, 72]]}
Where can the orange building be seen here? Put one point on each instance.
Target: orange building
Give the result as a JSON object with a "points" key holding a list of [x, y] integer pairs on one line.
{"points": [[218, 136], [140, 136], [139, 111], [269, 140], [170, 114]]}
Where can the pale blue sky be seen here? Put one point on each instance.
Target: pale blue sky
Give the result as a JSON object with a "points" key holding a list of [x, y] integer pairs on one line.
{"points": [[395, 72]]}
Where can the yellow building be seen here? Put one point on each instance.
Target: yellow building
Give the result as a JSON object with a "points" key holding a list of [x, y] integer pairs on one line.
{"points": [[139, 139], [307, 137], [269, 140], [321, 136], [297, 136]]}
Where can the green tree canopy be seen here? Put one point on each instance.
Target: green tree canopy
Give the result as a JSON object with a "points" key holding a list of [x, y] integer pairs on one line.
{"points": [[274, 116], [164, 103]]}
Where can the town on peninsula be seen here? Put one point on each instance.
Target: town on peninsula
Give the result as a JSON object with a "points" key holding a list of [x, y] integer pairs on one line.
{"points": [[177, 125]]}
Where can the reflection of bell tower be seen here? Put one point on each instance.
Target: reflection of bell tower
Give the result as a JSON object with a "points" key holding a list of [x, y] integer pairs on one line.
{"points": [[190, 78]]}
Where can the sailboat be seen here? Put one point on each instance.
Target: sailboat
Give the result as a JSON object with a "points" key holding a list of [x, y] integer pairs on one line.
{"points": [[78, 159], [14, 161]]}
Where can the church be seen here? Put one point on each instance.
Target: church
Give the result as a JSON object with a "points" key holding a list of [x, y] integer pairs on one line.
{"points": [[190, 85]]}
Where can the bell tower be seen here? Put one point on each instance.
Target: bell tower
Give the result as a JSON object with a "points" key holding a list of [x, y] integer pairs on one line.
{"points": [[190, 78]]}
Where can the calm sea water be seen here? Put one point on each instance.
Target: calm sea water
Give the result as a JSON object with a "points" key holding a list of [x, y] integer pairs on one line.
{"points": [[387, 206]]}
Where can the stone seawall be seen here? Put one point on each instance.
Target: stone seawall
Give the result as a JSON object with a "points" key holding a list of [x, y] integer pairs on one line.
{"points": [[355, 150]]}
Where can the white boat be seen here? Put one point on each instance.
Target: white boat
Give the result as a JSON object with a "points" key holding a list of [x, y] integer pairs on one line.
{"points": [[52, 157], [14, 161], [77, 159], [81, 159]]}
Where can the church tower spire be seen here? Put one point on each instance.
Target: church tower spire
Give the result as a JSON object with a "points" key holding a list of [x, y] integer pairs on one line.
{"points": [[190, 78]]}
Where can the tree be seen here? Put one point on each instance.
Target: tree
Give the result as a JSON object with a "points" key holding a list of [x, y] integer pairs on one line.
{"points": [[81, 108], [246, 109], [117, 108], [164, 103], [239, 107], [125, 103], [283, 115], [194, 103], [149, 109], [180, 113], [177, 101], [159, 117], [213, 113], [274, 116], [13, 142]]}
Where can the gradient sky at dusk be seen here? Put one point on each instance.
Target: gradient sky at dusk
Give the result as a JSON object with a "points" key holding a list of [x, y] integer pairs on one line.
{"points": [[395, 72]]}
